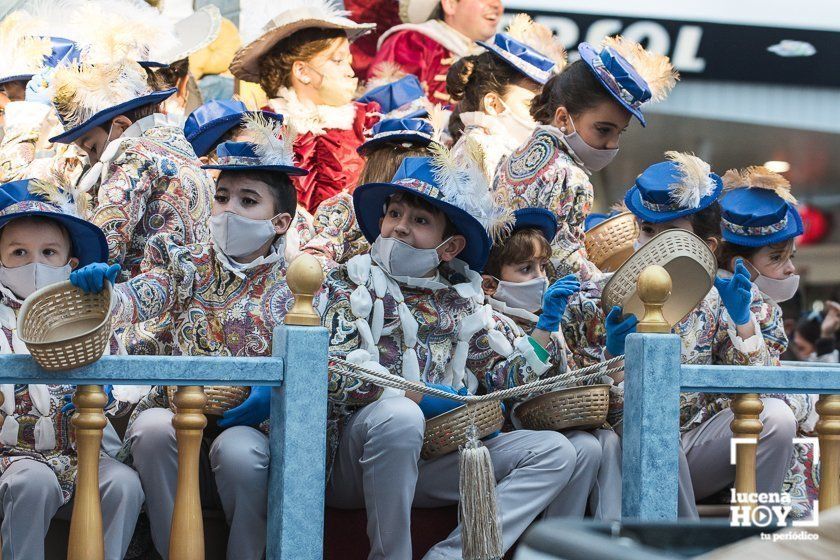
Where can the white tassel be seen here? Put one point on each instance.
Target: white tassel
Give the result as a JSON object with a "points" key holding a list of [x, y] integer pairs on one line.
{"points": [[458, 363], [472, 382], [410, 365], [44, 434], [367, 339], [499, 343], [481, 534], [130, 393], [9, 432], [378, 319], [358, 269], [409, 325], [361, 302]]}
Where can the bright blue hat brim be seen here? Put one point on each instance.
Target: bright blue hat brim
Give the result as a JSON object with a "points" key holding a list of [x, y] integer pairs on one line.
{"points": [[536, 218], [18, 78], [89, 244], [211, 132], [393, 139], [369, 202], [588, 54], [107, 114], [633, 201], [542, 80], [287, 169], [793, 229]]}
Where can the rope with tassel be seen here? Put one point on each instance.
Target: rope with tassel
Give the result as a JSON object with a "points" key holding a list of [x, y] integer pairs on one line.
{"points": [[481, 531]]}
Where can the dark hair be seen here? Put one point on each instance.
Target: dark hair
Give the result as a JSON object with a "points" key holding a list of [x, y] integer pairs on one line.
{"points": [[517, 248], [576, 88], [809, 328], [167, 77], [728, 251], [419, 202], [706, 222], [473, 77], [42, 221], [382, 162], [276, 64], [280, 185]]}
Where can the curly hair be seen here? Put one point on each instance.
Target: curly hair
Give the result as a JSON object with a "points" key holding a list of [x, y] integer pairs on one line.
{"points": [[576, 88], [473, 77], [167, 77], [276, 64]]}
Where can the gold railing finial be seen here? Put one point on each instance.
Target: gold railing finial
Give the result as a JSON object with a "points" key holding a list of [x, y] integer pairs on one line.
{"points": [[304, 277], [654, 288]]}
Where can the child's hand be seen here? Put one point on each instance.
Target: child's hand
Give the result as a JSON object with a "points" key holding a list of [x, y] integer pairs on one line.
{"points": [[435, 406], [70, 408], [555, 300], [91, 278], [252, 412], [736, 294], [618, 329]]}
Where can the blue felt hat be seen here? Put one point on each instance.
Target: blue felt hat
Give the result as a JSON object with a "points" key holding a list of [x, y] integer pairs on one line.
{"points": [[416, 176], [755, 217], [17, 201], [619, 77], [61, 48], [594, 219], [400, 98], [395, 131], [207, 125], [243, 156], [541, 219], [521, 57], [653, 197], [105, 115]]}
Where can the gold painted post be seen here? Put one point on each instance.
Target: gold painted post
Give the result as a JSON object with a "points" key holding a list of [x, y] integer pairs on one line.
{"points": [[828, 429], [86, 541], [746, 425], [304, 277], [186, 538], [654, 287]]}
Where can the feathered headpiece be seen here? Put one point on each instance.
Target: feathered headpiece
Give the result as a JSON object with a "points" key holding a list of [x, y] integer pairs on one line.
{"points": [[655, 69], [383, 74], [273, 141], [60, 196], [695, 181], [24, 44], [538, 37], [464, 184], [439, 119], [758, 177]]}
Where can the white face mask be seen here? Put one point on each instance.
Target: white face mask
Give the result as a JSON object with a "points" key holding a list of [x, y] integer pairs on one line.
{"points": [[237, 236], [778, 290], [29, 278], [593, 159], [518, 127], [398, 258], [522, 295]]}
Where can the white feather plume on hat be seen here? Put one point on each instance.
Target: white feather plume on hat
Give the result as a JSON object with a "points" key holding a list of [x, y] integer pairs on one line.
{"points": [[695, 181], [655, 69], [273, 141], [758, 177], [24, 44], [538, 37]]}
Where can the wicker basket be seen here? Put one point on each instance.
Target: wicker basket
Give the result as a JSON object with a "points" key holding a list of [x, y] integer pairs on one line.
{"points": [[687, 259], [445, 433], [220, 398], [610, 243], [575, 407], [65, 328]]}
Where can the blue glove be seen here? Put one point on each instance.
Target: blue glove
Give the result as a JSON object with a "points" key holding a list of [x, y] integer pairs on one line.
{"points": [[555, 300], [69, 408], [91, 278], [252, 412], [435, 406], [618, 329], [736, 293]]}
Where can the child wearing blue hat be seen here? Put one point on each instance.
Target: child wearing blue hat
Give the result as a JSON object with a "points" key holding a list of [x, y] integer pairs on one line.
{"points": [[41, 241], [337, 236], [494, 89], [582, 113], [225, 298], [413, 307], [760, 223]]}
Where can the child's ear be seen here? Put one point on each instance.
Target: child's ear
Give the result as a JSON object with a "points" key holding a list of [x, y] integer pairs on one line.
{"points": [[74, 263], [489, 285], [452, 248], [282, 223]]}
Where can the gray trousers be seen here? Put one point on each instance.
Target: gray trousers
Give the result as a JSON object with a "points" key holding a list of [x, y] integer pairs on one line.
{"points": [[378, 467], [605, 498], [30, 496], [572, 499], [239, 460]]}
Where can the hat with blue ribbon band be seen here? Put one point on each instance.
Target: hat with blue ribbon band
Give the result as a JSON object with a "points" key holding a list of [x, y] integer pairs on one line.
{"points": [[35, 198], [540, 219], [397, 131], [672, 189], [23, 68], [399, 98], [246, 156], [632, 75], [208, 124], [521, 57], [757, 208]]}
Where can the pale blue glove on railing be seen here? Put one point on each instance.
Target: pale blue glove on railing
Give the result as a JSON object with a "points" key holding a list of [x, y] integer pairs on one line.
{"points": [[555, 300], [252, 412], [91, 278], [435, 406], [736, 293], [70, 407], [617, 330]]}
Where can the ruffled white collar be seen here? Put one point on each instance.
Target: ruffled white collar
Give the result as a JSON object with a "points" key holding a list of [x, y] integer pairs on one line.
{"points": [[309, 117]]}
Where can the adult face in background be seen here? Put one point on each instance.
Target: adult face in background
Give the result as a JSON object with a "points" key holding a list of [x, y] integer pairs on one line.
{"points": [[476, 19]]}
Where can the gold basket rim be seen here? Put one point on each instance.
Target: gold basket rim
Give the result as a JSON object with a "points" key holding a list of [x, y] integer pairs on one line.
{"points": [[58, 287], [600, 387], [441, 418], [611, 221]]}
